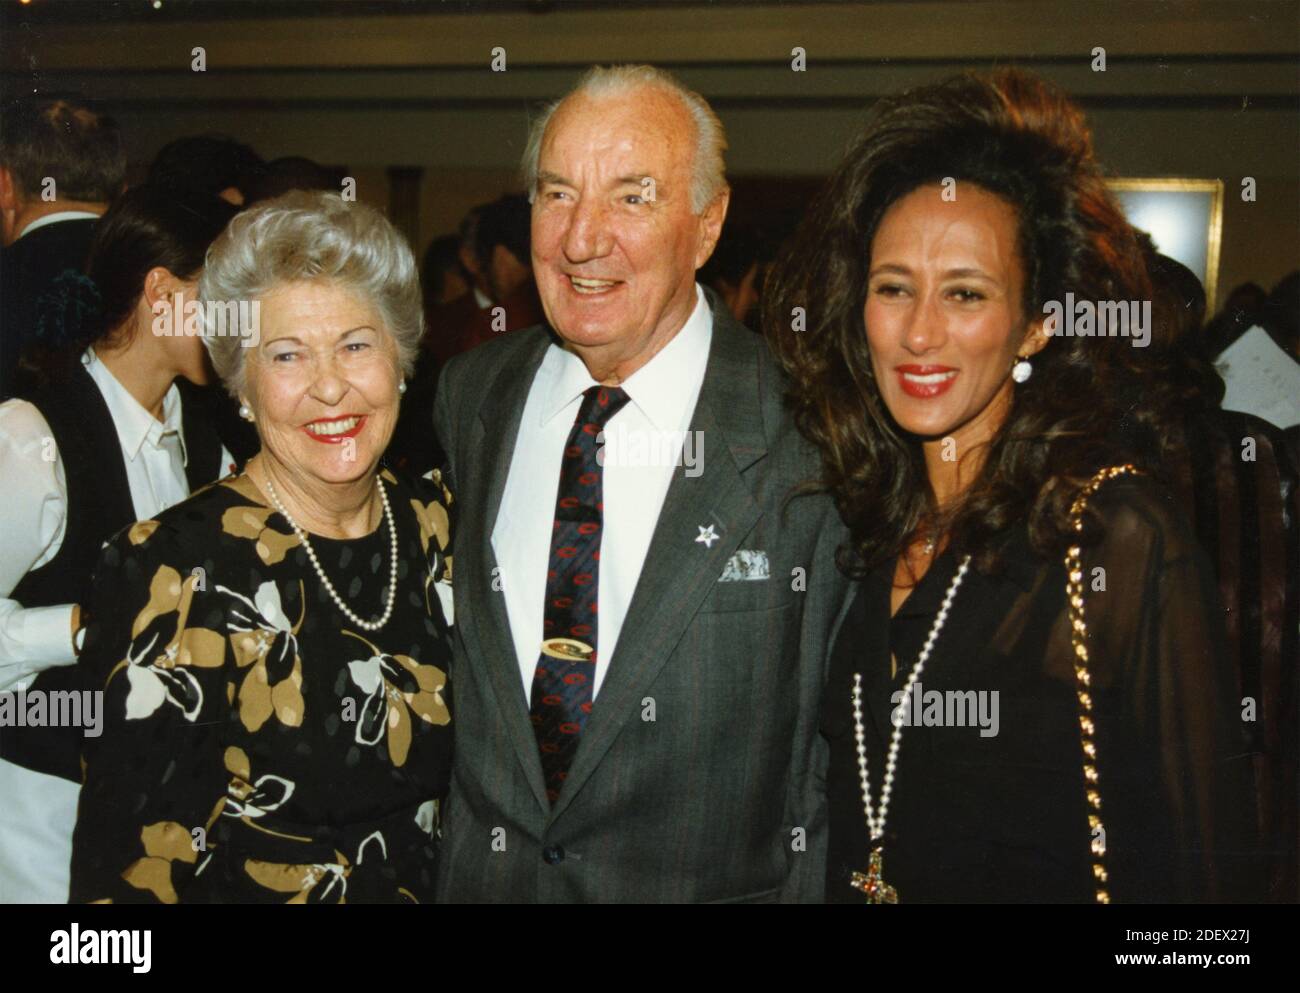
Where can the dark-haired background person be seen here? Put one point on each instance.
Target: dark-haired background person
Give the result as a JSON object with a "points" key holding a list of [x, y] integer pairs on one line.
{"points": [[1240, 488], [1266, 341], [502, 298], [956, 480], [501, 273], [443, 277], [127, 443], [738, 268], [292, 172], [1280, 314], [60, 165], [444, 285], [219, 165], [208, 163], [1240, 312]]}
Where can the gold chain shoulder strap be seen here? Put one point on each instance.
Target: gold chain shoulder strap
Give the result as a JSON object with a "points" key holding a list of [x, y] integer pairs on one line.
{"points": [[1083, 679]]}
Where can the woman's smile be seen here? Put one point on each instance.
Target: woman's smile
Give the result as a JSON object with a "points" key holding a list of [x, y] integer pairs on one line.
{"points": [[334, 430]]}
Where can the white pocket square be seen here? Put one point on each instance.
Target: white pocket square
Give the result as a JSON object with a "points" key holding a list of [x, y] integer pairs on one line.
{"points": [[744, 566]]}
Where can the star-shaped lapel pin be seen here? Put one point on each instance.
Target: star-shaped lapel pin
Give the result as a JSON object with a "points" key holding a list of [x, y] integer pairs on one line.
{"points": [[706, 536]]}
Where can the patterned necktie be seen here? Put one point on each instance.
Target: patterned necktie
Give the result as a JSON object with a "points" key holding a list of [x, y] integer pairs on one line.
{"points": [[566, 668]]}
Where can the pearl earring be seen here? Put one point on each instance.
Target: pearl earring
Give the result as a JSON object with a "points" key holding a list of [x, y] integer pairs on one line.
{"points": [[1022, 370], [245, 412], [401, 387]]}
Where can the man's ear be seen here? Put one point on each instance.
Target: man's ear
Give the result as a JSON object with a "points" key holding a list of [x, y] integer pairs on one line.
{"points": [[10, 207], [711, 223], [8, 190]]}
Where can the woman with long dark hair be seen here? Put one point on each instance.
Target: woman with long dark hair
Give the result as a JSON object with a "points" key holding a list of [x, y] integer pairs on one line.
{"points": [[992, 736], [108, 441]]}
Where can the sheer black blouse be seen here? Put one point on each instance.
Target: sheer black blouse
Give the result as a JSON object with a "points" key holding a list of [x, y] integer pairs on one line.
{"points": [[983, 817]]}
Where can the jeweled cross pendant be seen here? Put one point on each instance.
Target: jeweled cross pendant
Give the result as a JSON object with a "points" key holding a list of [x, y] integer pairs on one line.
{"points": [[870, 883]]}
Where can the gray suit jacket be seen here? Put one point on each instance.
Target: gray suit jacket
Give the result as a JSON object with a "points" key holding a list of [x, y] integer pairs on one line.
{"points": [[697, 776]]}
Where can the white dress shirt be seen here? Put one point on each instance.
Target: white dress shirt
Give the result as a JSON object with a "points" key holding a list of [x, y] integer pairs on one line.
{"points": [[642, 442], [38, 811], [58, 215]]}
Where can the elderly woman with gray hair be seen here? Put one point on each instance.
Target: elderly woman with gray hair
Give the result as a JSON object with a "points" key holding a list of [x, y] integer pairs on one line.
{"points": [[273, 651]]}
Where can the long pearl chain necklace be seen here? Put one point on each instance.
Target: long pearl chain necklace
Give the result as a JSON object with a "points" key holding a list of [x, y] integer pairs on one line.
{"points": [[871, 882], [325, 580]]}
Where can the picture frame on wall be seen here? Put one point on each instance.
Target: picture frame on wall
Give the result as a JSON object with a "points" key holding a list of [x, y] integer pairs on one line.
{"points": [[1184, 218]]}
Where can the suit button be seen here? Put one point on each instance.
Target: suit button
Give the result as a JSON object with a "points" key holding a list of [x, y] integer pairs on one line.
{"points": [[553, 854]]}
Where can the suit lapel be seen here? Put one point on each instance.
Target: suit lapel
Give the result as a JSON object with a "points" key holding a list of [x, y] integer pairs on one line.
{"points": [[679, 571], [487, 620]]}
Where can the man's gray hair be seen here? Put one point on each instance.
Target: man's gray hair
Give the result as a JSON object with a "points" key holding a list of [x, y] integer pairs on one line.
{"points": [[306, 236], [708, 169]]}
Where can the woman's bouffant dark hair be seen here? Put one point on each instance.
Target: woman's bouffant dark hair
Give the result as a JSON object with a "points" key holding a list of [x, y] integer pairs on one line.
{"points": [[147, 227], [1020, 138]]}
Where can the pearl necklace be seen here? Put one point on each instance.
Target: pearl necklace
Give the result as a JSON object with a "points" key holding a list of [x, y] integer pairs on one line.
{"points": [[329, 587], [870, 882]]}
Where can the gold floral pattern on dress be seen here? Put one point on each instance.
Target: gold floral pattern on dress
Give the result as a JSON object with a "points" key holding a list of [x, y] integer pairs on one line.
{"points": [[394, 685], [266, 644], [250, 522], [304, 881], [164, 843], [140, 531], [160, 674], [306, 804], [435, 522], [248, 799]]}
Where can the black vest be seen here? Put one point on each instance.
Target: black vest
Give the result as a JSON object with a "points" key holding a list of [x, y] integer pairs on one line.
{"points": [[98, 506]]}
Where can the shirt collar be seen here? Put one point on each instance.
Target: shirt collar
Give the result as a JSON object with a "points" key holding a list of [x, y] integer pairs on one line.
{"points": [[56, 217], [660, 388], [135, 426]]}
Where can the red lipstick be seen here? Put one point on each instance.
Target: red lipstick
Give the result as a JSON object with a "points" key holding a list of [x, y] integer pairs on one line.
{"points": [[925, 381], [335, 437]]}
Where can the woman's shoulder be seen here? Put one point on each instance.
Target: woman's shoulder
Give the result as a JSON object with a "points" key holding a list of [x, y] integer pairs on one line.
{"points": [[229, 506], [22, 424], [1139, 516]]}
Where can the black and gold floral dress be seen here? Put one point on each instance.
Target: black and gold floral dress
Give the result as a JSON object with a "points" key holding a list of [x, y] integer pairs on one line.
{"points": [[256, 745]]}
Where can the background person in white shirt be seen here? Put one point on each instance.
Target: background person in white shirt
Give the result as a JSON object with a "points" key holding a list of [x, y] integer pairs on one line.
{"points": [[109, 441]]}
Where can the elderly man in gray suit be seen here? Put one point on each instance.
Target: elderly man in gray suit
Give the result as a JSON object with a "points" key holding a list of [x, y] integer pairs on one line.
{"points": [[642, 606]]}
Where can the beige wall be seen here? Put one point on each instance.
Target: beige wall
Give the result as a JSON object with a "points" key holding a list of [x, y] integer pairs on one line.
{"points": [[1261, 240]]}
